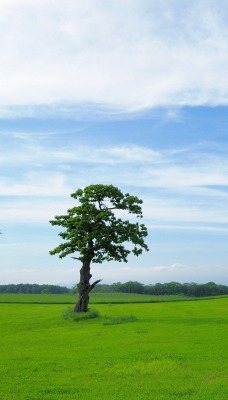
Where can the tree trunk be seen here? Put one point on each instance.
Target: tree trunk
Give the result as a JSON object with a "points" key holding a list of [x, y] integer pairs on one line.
{"points": [[83, 288]]}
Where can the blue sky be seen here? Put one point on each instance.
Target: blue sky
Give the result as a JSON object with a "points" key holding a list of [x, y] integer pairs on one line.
{"points": [[132, 93]]}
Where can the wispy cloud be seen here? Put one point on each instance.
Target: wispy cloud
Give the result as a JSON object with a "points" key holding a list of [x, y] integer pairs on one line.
{"points": [[124, 55], [193, 228], [30, 212], [36, 184], [38, 166], [177, 186]]}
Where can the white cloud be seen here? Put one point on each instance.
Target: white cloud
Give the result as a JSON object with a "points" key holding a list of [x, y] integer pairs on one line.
{"points": [[30, 212], [194, 228], [39, 275], [161, 209], [174, 184], [31, 152], [37, 185], [113, 273], [186, 176], [124, 55], [165, 273]]}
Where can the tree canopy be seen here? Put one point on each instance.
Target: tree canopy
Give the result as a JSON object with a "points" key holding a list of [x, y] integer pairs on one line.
{"points": [[96, 229], [93, 230]]}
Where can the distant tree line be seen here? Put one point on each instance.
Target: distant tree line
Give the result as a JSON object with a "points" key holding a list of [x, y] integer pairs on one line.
{"points": [[33, 288], [172, 288], [187, 289]]}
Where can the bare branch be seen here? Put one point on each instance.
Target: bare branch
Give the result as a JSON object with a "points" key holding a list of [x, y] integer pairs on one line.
{"points": [[85, 294]]}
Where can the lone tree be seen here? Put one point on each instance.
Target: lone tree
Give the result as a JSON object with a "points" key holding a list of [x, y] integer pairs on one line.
{"points": [[94, 233]]}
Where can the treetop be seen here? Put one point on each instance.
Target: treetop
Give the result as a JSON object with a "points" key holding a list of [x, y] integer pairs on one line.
{"points": [[93, 230], [108, 197]]}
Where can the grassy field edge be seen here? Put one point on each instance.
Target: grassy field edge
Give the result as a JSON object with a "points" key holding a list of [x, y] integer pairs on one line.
{"points": [[97, 298]]}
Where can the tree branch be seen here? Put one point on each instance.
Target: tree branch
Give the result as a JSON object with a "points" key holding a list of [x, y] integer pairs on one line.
{"points": [[94, 284], [91, 288]]}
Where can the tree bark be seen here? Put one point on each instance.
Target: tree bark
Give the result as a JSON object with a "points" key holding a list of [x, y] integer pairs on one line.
{"points": [[83, 287]]}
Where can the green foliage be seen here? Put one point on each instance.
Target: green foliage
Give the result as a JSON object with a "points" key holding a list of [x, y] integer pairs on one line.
{"points": [[70, 314], [94, 232], [170, 288], [33, 288]]}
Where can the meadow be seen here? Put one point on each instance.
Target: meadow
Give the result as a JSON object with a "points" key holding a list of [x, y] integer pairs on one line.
{"points": [[138, 351], [95, 298]]}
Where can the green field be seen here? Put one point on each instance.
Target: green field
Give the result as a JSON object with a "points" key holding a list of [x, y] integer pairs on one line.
{"points": [[95, 298], [173, 350]]}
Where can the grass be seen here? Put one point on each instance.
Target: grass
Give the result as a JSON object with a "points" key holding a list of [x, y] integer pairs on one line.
{"points": [[172, 350], [70, 314], [119, 320], [95, 298]]}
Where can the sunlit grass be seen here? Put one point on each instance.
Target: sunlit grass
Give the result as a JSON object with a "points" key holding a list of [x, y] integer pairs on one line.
{"points": [[171, 350], [95, 298]]}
